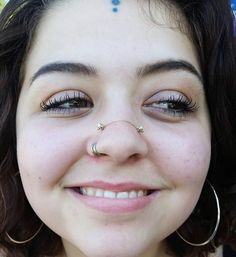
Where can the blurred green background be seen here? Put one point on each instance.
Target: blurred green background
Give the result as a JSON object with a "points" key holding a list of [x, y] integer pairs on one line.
{"points": [[2, 3]]}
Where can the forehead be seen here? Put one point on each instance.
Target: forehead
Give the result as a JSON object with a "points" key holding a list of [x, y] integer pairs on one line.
{"points": [[89, 31]]}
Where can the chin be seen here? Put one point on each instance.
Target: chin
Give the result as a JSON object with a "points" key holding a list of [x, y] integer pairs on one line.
{"points": [[116, 248], [121, 252]]}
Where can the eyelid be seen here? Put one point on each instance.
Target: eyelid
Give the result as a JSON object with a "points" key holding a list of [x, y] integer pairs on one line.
{"points": [[54, 104], [67, 94], [170, 106], [165, 94]]}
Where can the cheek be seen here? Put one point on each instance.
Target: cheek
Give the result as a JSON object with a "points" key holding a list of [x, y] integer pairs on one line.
{"points": [[183, 157], [46, 154]]}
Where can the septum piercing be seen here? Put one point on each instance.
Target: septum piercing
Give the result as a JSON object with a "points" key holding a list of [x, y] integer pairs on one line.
{"points": [[101, 126]]}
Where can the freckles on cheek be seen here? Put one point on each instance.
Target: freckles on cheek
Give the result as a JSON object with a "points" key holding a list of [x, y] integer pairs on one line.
{"points": [[183, 159], [45, 154]]}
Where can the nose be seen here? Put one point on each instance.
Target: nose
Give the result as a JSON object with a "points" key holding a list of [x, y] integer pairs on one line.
{"points": [[120, 141]]}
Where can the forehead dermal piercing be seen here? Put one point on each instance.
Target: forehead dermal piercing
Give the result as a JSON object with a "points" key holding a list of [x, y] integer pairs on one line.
{"points": [[115, 4], [101, 126]]}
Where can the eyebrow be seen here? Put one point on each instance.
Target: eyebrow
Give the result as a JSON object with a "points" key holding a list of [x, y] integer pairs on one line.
{"points": [[87, 70], [168, 65], [64, 67]]}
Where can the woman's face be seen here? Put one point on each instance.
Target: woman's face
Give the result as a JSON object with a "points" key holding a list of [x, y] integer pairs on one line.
{"points": [[87, 65]]}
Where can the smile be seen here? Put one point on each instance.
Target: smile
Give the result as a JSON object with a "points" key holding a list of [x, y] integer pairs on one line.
{"points": [[114, 198], [98, 192]]}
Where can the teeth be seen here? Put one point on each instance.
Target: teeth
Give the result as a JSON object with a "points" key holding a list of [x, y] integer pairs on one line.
{"points": [[83, 191], [140, 193], [122, 195], [133, 194], [109, 194], [97, 192], [90, 192]]}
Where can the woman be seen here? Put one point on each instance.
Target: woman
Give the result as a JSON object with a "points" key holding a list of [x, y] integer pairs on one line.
{"points": [[117, 128]]}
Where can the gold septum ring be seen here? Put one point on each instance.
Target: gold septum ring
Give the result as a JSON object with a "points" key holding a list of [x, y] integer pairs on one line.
{"points": [[101, 126]]}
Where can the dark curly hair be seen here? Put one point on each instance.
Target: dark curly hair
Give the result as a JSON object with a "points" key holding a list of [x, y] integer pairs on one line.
{"points": [[210, 27]]}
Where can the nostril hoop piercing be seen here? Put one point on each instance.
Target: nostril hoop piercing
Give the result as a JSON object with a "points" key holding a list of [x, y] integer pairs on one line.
{"points": [[94, 149]]}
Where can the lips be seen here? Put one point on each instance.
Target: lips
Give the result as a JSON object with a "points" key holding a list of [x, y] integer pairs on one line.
{"points": [[114, 198]]}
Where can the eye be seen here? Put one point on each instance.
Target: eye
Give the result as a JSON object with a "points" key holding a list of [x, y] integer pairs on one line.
{"points": [[170, 104], [69, 103]]}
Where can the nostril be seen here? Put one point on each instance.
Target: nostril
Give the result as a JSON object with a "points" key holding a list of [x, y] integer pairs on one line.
{"points": [[135, 157]]}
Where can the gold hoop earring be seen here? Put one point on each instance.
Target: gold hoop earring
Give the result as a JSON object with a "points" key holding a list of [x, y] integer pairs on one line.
{"points": [[216, 225], [24, 241]]}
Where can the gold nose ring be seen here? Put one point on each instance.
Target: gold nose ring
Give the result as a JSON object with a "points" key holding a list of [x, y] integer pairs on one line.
{"points": [[94, 149], [101, 126]]}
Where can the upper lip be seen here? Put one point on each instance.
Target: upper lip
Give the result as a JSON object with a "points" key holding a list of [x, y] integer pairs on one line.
{"points": [[115, 187]]}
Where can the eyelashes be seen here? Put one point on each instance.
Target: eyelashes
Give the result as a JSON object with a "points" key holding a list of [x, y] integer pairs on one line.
{"points": [[167, 105], [170, 106], [175, 105], [76, 103]]}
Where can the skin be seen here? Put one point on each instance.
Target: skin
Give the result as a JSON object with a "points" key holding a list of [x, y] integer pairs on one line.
{"points": [[54, 147]]}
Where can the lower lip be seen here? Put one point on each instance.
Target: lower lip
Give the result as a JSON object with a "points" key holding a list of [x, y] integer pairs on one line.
{"points": [[115, 206]]}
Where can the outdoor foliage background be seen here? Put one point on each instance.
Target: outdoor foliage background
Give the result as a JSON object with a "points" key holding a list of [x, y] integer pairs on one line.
{"points": [[2, 3]]}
